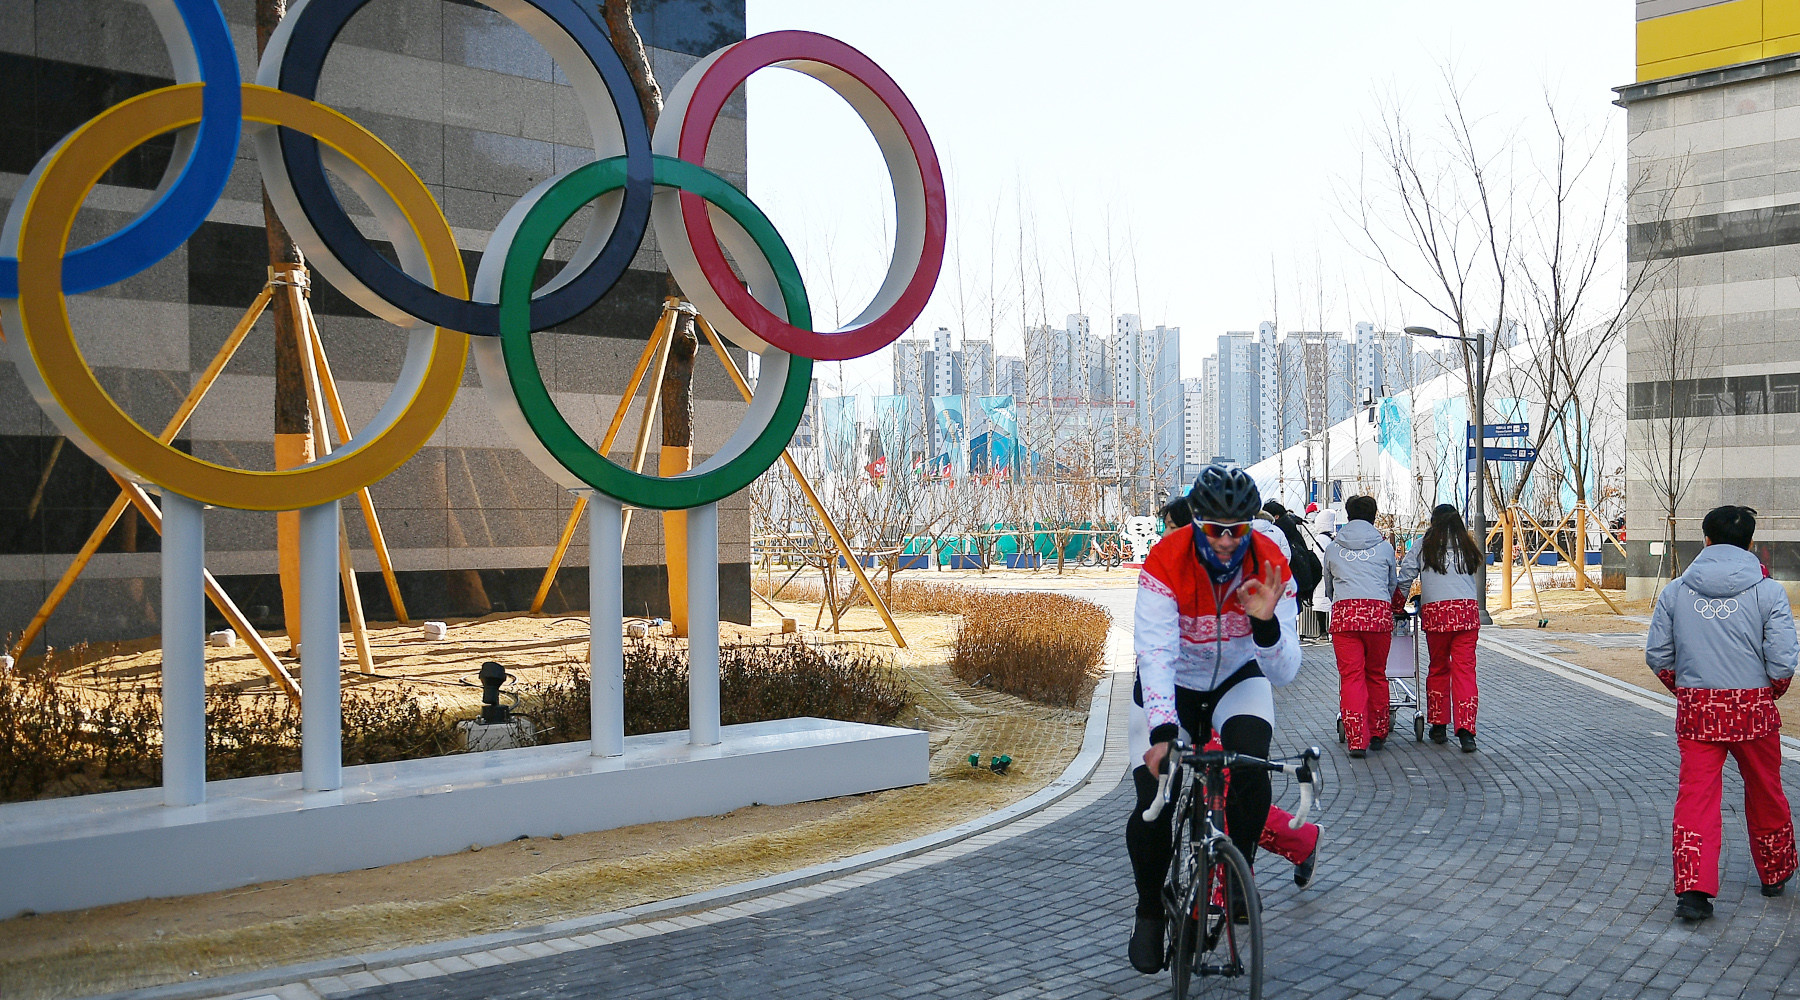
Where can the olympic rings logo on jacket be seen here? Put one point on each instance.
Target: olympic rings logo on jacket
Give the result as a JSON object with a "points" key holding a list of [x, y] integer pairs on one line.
{"points": [[1719, 608]]}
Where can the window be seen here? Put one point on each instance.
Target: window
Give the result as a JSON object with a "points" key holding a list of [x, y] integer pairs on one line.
{"points": [[1710, 398], [1749, 394], [1784, 393]]}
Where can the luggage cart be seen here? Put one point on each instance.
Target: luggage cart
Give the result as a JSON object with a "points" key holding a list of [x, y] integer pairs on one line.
{"points": [[1405, 676]]}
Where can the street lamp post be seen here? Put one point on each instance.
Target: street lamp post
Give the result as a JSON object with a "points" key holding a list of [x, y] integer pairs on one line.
{"points": [[1479, 520]]}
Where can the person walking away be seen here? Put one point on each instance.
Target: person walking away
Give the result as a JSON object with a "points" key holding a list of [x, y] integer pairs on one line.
{"points": [[1445, 563], [1360, 578], [1722, 639], [1214, 635]]}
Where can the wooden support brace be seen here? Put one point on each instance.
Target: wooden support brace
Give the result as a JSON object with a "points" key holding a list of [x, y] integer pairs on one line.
{"points": [[664, 326], [132, 495], [837, 538], [311, 355]]}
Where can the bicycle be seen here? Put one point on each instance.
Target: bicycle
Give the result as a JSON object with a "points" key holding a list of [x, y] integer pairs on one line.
{"points": [[1210, 902]]}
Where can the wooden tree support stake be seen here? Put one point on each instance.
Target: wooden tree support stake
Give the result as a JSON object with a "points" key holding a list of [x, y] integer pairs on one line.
{"points": [[812, 498], [130, 494], [665, 324]]}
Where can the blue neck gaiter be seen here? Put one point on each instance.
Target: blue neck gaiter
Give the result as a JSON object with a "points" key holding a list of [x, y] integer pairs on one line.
{"points": [[1219, 571]]}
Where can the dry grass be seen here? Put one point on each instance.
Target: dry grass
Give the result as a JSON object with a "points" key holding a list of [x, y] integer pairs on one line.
{"points": [[140, 944], [1046, 647], [912, 596]]}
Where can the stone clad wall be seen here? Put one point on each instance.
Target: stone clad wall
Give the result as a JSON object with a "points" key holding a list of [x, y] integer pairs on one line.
{"points": [[481, 114], [1721, 220]]}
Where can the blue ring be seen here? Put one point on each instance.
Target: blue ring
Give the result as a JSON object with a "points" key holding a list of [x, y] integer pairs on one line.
{"points": [[313, 33], [167, 224]]}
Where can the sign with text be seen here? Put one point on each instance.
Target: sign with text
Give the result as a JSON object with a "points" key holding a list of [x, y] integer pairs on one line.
{"points": [[1500, 431]]}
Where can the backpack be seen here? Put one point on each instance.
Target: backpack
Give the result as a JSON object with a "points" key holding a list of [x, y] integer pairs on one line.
{"points": [[1302, 561]]}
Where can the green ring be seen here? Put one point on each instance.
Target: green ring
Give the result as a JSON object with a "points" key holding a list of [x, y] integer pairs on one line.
{"points": [[541, 223]]}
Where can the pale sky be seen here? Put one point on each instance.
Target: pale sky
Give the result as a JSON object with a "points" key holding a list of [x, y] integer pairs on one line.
{"points": [[1213, 134]]}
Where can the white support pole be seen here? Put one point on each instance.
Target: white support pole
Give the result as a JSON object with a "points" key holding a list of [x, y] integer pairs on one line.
{"points": [[703, 624], [321, 710], [184, 651], [606, 621]]}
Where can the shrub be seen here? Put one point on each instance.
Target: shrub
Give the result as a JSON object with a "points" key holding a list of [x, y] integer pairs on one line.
{"points": [[918, 596], [1045, 647], [758, 681], [58, 740]]}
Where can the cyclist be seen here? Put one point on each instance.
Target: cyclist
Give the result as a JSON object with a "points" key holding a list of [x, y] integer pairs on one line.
{"points": [[1214, 632], [1300, 846]]}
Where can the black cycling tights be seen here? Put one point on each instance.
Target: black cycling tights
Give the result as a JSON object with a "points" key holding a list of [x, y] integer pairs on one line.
{"points": [[1246, 808]]}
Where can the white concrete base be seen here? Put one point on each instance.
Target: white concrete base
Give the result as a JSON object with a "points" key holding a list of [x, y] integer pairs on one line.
{"points": [[92, 850]]}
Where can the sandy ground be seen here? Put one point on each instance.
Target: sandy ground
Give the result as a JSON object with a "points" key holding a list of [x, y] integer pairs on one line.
{"points": [[528, 882]]}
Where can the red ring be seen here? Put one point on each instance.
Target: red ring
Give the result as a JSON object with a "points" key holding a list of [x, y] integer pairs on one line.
{"points": [[723, 77]]}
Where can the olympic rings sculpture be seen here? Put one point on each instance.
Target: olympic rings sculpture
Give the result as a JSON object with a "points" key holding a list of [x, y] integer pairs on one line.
{"points": [[637, 180]]}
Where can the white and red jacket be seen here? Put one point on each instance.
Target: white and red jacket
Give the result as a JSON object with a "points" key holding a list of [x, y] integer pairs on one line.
{"points": [[1191, 633]]}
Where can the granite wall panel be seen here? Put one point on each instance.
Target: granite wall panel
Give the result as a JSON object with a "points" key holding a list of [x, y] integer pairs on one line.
{"points": [[468, 518]]}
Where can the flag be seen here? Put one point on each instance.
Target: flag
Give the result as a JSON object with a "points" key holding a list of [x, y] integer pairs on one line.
{"points": [[877, 469]]}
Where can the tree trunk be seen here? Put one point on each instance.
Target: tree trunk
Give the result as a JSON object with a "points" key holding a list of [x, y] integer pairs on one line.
{"points": [[676, 454], [293, 419], [676, 457]]}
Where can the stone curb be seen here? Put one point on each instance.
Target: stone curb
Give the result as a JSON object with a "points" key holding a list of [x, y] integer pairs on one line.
{"points": [[1594, 678], [1078, 773]]}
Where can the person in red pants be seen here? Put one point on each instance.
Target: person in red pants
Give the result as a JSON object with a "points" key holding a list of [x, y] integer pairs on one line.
{"points": [[1445, 562], [1722, 639], [1360, 577]]}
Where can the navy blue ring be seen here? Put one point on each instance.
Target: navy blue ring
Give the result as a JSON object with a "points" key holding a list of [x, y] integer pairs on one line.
{"points": [[315, 31]]}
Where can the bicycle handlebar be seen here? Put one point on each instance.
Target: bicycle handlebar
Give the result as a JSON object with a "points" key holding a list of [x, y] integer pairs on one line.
{"points": [[1301, 771]]}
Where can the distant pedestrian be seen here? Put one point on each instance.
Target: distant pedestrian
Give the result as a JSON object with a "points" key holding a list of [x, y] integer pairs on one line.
{"points": [[1722, 638], [1445, 563], [1360, 578]]}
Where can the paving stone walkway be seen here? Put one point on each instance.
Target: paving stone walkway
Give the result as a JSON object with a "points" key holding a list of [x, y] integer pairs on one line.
{"points": [[1537, 867]]}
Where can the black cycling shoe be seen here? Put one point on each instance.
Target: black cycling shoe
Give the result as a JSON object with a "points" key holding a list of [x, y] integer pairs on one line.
{"points": [[1377, 742], [1358, 753], [1774, 888], [1147, 945], [1303, 872], [1467, 739], [1440, 733], [1693, 906]]}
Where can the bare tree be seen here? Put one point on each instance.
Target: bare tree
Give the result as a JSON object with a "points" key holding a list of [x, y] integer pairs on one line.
{"points": [[1439, 216], [1671, 414]]}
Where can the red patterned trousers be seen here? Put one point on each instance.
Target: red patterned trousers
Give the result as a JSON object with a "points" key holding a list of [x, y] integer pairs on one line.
{"points": [[1362, 684], [1294, 845], [1698, 829], [1451, 680]]}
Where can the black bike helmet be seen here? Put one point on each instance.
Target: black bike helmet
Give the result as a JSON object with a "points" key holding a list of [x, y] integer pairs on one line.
{"points": [[1223, 493]]}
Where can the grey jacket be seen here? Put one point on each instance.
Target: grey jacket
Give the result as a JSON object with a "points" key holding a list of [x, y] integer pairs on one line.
{"points": [[1723, 625], [1435, 586], [1359, 564]]}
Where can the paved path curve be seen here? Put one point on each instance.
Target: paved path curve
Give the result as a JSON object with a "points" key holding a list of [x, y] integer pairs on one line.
{"points": [[1537, 867]]}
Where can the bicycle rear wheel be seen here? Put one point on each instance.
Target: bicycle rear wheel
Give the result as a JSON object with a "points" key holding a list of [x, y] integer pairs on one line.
{"points": [[1220, 953]]}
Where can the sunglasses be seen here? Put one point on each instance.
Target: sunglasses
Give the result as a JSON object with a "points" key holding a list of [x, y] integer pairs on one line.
{"points": [[1219, 529]]}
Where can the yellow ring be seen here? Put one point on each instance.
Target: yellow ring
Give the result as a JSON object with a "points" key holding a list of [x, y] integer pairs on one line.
{"points": [[113, 437]]}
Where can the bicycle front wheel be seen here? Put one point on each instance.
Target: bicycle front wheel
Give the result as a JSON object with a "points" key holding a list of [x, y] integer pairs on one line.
{"points": [[1220, 952]]}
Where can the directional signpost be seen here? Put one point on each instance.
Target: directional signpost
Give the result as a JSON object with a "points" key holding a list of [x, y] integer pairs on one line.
{"points": [[1493, 454]]}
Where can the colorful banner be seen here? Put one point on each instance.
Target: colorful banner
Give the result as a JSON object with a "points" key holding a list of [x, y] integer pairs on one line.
{"points": [[1003, 436], [949, 413], [837, 431], [893, 425]]}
